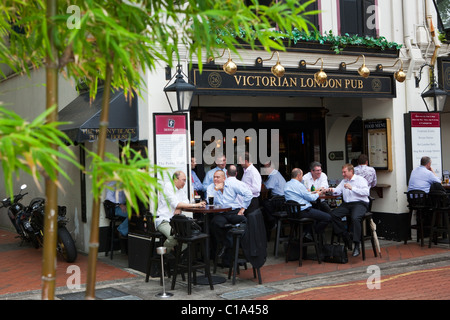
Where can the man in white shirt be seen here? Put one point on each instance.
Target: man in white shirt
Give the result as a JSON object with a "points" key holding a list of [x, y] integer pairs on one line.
{"points": [[252, 178], [319, 180], [172, 202], [355, 193]]}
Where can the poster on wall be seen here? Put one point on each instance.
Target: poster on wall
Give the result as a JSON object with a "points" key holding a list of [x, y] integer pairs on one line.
{"points": [[426, 139], [171, 143]]}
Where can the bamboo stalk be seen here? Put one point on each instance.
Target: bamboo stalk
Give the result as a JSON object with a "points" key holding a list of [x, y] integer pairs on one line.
{"points": [[94, 237], [51, 191]]}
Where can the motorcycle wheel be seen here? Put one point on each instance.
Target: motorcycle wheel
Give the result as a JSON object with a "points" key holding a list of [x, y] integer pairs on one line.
{"points": [[66, 245]]}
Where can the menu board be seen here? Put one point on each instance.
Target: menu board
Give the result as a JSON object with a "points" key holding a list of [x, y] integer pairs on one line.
{"points": [[171, 142], [378, 140], [426, 139]]}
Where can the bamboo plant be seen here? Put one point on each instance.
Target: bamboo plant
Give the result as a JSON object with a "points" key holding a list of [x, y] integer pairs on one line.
{"points": [[118, 42]]}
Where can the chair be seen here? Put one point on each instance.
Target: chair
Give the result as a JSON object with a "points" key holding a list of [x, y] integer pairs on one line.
{"points": [[237, 233], [441, 206], [297, 226], [280, 215], [110, 213], [153, 258], [184, 233], [418, 201]]}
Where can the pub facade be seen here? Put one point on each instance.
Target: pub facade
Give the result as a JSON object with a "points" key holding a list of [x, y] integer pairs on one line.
{"points": [[290, 120]]}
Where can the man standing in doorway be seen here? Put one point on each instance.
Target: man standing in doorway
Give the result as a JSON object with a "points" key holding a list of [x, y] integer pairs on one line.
{"points": [[364, 170], [252, 178]]}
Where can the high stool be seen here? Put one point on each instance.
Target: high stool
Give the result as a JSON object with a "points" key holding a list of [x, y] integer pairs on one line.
{"points": [[153, 258], [110, 213], [418, 201], [185, 234], [365, 225], [298, 225], [280, 216], [237, 234], [441, 208]]}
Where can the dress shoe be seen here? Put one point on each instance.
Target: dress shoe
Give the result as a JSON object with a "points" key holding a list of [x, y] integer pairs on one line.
{"points": [[356, 251]]}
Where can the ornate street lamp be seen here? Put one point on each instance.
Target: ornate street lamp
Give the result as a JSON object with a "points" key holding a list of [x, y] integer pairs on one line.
{"points": [[433, 97], [180, 93]]}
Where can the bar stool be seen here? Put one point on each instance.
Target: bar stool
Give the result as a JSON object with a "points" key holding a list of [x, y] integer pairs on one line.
{"points": [[365, 225], [237, 233], [185, 234], [441, 208], [280, 216], [418, 201], [298, 225], [110, 213]]}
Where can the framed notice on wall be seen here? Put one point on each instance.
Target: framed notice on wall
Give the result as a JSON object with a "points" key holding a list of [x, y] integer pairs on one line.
{"points": [[171, 142], [379, 143]]}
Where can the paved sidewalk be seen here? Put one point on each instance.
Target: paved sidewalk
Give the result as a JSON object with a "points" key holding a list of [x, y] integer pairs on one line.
{"points": [[406, 272]]}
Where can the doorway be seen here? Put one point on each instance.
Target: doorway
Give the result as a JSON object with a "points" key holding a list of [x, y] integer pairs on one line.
{"points": [[301, 137]]}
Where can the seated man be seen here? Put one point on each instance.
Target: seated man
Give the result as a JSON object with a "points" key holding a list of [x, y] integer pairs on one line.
{"points": [[355, 194], [172, 202], [296, 191], [423, 177], [221, 162], [228, 193], [319, 180], [118, 197]]}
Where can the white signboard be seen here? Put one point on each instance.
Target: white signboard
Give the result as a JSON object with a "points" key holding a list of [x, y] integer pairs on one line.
{"points": [[171, 142], [426, 139]]}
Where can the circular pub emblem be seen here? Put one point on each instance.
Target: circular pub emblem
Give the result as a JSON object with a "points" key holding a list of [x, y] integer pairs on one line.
{"points": [[214, 79], [376, 84]]}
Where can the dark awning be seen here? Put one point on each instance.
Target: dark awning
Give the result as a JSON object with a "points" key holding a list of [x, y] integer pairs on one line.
{"points": [[84, 117]]}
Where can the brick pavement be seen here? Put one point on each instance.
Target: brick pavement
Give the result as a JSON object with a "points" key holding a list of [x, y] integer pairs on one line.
{"points": [[428, 284], [284, 271], [20, 267]]}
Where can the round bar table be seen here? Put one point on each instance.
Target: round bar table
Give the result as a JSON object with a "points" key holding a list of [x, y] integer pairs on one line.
{"points": [[207, 211]]}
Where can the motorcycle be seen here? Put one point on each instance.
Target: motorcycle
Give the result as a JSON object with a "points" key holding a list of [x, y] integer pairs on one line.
{"points": [[29, 224]]}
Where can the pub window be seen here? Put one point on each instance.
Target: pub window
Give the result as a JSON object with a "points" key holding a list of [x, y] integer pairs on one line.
{"points": [[314, 19], [358, 17]]}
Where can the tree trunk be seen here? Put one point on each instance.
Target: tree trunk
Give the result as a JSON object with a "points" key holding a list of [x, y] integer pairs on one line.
{"points": [[51, 191], [94, 241]]}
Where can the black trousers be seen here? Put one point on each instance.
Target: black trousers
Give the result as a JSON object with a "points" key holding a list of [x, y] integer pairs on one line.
{"points": [[218, 229], [356, 210], [254, 204]]}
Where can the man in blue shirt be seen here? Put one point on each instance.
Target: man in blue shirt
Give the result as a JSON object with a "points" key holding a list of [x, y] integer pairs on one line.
{"points": [[295, 190], [423, 177], [196, 183], [228, 193], [274, 184], [221, 162]]}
